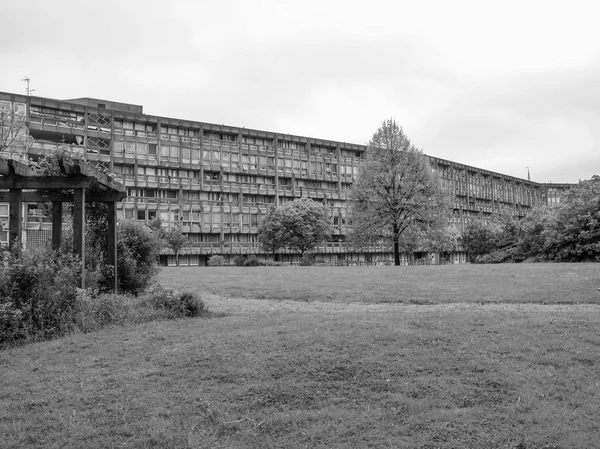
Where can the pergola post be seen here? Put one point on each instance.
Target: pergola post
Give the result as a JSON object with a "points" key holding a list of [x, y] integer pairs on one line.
{"points": [[79, 229], [56, 225], [111, 240], [15, 220]]}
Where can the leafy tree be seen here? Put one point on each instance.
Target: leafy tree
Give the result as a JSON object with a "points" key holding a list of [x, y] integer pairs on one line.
{"points": [[138, 249], [480, 237], [396, 192], [300, 225], [534, 226], [573, 234], [176, 241], [156, 225]]}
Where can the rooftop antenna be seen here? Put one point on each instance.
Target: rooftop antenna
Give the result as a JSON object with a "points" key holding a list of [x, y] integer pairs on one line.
{"points": [[528, 177], [28, 91]]}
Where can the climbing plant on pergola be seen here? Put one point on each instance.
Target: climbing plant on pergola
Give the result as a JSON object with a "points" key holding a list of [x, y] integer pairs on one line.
{"points": [[79, 183]]}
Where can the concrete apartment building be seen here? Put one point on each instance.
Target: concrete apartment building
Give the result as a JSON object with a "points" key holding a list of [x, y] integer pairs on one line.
{"points": [[218, 181]]}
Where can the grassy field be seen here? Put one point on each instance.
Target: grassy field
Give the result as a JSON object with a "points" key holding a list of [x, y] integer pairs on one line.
{"points": [[343, 357], [506, 283]]}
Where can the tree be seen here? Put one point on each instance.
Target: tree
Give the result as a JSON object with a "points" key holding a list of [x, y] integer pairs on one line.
{"points": [[13, 129], [300, 225], [573, 233], [396, 192], [138, 248], [480, 237], [176, 241]]}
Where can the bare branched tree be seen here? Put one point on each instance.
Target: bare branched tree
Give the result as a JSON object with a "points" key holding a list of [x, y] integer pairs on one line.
{"points": [[13, 127], [396, 192]]}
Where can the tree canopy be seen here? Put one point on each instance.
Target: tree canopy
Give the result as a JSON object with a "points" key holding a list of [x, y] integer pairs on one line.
{"points": [[569, 232], [396, 192], [300, 225], [175, 240], [573, 233]]}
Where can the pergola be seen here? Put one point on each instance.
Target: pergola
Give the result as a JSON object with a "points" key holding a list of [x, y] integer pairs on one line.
{"points": [[19, 183]]}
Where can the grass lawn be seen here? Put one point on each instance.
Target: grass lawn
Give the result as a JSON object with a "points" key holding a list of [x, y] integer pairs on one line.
{"points": [[505, 283], [411, 357]]}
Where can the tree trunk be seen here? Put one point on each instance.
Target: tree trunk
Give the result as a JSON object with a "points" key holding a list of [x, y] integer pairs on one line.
{"points": [[396, 245], [177, 258]]}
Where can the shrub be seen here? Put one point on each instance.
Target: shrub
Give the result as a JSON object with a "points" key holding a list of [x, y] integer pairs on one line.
{"points": [[253, 261], [40, 299], [307, 259], [11, 319], [192, 304], [499, 256], [239, 261], [176, 304], [37, 295], [216, 261], [138, 249]]}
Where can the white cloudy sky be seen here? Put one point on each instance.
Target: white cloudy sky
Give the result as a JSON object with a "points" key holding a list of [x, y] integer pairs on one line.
{"points": [[501, 85]]}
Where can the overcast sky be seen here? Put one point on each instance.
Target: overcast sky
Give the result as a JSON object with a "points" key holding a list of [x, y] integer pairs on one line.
{"points": [[500, 85]]}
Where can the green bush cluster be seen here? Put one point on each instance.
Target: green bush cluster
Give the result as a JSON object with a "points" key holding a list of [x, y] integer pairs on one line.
{"points": [[137, 248], [37, 295], [40, 299], [568, 232], [253, 261], [176, 304], [216, 261], [499, 256], [307, 260], [239, 260]]}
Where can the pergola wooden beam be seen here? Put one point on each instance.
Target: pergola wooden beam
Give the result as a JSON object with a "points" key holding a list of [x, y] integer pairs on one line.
{"points": [[48, 182], [12, 167], [41, 197], [86, 170]]}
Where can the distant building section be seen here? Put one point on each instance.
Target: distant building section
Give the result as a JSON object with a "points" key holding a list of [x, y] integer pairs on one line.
{"points": [[217, 182]]}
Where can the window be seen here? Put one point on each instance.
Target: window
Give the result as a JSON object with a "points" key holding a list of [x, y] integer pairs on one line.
{"points": [[220, 136], [141, 215]]}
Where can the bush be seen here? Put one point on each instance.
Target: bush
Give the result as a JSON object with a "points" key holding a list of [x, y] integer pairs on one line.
{"points": [[138, 249], [253, 261], [176, 304], [499, 256], [216, 261], [95, 311], [239, 261], [11, 319], [37, 295], [307, 260], [40, 299]]}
